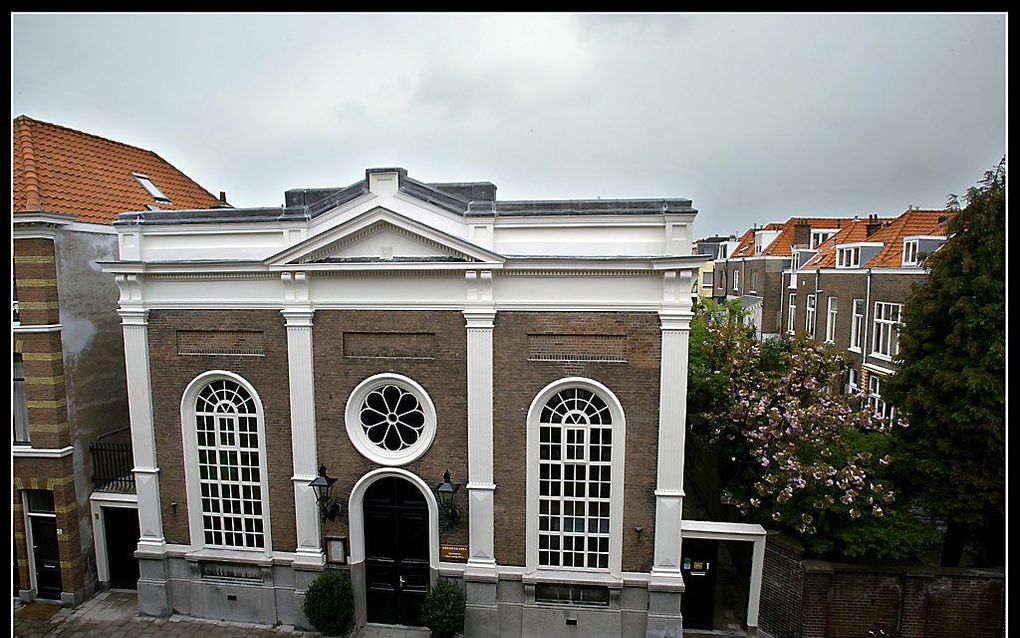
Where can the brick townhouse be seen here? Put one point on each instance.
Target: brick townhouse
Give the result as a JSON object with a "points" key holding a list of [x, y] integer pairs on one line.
{"points": [[69, 390], [850, 291], [498, 384], [753, 272]]}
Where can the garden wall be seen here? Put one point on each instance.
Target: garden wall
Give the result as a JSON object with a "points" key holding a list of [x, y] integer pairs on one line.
{"points": [[804, 598]]}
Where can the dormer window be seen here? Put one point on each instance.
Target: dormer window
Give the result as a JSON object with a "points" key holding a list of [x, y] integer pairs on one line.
{"points": [[818, 237], [151, 187], [910, 252], [848, 257]]}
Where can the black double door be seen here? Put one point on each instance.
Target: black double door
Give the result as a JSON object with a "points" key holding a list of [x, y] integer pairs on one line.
{"points": [[47, 556], [396, 552], [121, 527]]}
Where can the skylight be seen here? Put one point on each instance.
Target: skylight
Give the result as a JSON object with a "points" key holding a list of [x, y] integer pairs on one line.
{"points": [[151, 188]]}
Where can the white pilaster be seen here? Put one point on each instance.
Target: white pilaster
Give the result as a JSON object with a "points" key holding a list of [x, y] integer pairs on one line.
{"points": [[675, 320], [143, 437], [302, 424], [479, 317]]}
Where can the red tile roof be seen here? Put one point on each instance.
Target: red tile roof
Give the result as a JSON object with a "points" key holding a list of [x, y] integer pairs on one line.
{"points": [[891, 235], [911, 222], [782, 245], [745, 247], [61, 170]]}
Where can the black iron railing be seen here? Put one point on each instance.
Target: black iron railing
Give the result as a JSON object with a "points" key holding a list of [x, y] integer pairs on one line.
{"points": [[111, 466]]}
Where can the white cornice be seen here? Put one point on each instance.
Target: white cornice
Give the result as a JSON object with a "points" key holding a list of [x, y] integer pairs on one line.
{"points": [[48, 327], [23, 451]]}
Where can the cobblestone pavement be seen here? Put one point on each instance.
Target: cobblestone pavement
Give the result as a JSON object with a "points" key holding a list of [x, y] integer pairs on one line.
{"points": [[114, 614]]}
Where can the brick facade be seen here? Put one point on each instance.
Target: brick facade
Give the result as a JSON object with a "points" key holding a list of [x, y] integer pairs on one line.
{"points": [[171, 374], [48, 424], [443, 376], [516, 383]]}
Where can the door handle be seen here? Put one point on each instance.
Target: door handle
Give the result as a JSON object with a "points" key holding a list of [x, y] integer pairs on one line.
{"points": [[402, 582]]}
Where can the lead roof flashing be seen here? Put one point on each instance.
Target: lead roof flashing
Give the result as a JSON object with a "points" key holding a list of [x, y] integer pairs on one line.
{"points": [[303, 204]]}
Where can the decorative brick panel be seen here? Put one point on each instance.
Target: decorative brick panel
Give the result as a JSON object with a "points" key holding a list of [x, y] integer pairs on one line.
{"points": [[577, 348], [390, 345], [221, 342]]}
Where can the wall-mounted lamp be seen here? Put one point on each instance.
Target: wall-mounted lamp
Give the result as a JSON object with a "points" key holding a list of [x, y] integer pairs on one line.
{"points": [[448, 512], [322, 485]]}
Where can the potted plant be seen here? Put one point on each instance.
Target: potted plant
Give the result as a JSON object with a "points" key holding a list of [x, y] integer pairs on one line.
{"points": [[442, 611], [329, 603]]}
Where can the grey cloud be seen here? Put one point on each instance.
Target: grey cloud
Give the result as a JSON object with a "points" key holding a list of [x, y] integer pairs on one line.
{"points": [[755, 117]]}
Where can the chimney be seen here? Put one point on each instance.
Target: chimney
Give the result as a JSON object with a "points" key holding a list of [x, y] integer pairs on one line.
{"points": [[873, 225], [222, 203], [802, 234]]}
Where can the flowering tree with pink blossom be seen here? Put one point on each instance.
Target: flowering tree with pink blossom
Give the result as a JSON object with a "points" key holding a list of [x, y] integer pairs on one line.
{"points": [[798, 454]]}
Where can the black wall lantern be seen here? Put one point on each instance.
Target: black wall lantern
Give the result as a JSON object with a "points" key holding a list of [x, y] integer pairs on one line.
{"points": [[448, 512], [322, 485]]}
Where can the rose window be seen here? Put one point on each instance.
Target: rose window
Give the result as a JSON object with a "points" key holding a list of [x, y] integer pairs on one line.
{"points": [[390, 419]]}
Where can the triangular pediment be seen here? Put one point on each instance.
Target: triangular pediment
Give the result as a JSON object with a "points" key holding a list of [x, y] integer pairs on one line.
{"points": [[382, 236]]}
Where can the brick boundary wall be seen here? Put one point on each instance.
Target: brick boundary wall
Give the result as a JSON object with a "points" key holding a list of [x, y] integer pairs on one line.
{"points": [[820, 599]]}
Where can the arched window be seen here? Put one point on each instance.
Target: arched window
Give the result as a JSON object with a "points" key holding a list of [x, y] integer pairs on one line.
{"points": [[575, 490], [227, 488]]}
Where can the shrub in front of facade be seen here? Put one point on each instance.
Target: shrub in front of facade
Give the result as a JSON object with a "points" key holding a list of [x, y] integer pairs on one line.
{"points": [[443, 609], [329, 603]]}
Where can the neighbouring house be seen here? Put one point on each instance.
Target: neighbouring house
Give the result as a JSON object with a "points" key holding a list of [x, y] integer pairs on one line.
{"points": [[410, 381], [70, 413], [850, 292], [753, 272], [714, 247]]}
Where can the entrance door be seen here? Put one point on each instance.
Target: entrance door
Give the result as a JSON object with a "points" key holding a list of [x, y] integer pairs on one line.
{"points": [[396, 551], [121, 527], [697, 604], [47, 557]]}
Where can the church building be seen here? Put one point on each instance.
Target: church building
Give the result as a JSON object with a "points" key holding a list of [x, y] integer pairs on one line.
{"points": [[412, 382]]}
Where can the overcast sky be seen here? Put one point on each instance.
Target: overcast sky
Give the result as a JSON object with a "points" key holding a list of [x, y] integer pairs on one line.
{"points": [[756, 118]]}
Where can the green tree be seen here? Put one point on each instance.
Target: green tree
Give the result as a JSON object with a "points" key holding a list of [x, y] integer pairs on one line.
{"points": [[951, 384]]}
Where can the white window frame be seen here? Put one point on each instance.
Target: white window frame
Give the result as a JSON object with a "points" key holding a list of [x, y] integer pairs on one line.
{"points": [[831, 315], [616, 466], [21, 431], [910, 247], [791, 325], [809, 315], [821, 235], [736, 280], [191, 469], [852, 380], [360, 439], [856, 325], [151, 188], [878, 405], [885, 337], [849, 257], [754, 281]]}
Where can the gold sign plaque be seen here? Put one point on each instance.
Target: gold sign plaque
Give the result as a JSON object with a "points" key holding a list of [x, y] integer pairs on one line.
{"points": [[457, 553]]}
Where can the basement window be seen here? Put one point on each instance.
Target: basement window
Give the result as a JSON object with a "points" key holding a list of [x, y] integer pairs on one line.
{"points": [[593, 595], [151, 187]]}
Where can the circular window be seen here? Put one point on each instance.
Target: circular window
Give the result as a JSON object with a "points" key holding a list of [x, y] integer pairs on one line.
{"points": [[390, 419]]}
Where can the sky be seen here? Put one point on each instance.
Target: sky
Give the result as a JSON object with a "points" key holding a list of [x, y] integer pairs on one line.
{"points": [[756, 118]]}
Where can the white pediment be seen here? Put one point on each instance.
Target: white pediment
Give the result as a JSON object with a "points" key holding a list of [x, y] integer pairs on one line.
{"points": [[382, 236]]}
